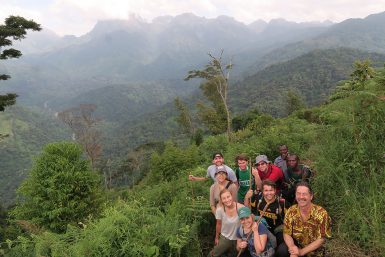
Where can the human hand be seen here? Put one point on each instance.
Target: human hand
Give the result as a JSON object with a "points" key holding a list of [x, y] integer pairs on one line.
{"points": [[254, 171], [293, 250], [216, 241], [191, 177], [249, 194], [255, 228], [242, 244]]}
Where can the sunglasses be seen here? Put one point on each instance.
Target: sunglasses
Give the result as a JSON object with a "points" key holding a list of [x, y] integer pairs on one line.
{"points": [[260, 164]]}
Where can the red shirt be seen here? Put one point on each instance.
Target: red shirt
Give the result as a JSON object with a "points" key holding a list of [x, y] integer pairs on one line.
{"points": [[274, 174]]}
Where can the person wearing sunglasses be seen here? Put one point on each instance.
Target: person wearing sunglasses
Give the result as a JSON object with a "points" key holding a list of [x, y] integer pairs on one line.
{"points": [[265, 170]]}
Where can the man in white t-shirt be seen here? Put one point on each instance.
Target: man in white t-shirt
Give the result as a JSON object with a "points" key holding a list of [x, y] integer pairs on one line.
{"points": [[218, 160]]}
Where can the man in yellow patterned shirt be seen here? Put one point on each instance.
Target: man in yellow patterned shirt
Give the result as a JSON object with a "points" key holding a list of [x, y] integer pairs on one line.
{"points": [[306, 226]]}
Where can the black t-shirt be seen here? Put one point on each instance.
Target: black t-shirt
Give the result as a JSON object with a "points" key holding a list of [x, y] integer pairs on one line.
{"points": [[275, 213]]}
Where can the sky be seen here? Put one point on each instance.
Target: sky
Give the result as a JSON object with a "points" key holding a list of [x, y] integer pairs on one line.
{"points": [[77, 17]]}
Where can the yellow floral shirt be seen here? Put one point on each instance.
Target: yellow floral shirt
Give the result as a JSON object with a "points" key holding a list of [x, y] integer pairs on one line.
{"points": [[306, 232]]}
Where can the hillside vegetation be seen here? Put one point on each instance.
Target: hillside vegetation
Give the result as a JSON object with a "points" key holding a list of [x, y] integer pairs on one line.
{"points": [[313, 76], [27, 132], [166, 215]]}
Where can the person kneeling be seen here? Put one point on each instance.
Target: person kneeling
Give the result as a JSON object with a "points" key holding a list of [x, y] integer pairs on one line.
{"points": [[254, 236], [306, 226]]}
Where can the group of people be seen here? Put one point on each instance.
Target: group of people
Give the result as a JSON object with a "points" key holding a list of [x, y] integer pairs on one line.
{"points": [[265, 209]]}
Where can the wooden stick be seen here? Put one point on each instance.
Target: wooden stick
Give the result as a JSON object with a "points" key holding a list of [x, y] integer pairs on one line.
{"points": [[258, 221], [251, 175]]}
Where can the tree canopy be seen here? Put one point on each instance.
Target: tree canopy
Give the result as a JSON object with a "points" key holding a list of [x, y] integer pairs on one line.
{"points": [[215, 87], [14, 28], [61, 188]]}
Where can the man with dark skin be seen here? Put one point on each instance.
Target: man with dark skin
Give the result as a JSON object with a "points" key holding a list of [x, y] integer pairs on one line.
{"points": [[296, 173], [280, 161]]}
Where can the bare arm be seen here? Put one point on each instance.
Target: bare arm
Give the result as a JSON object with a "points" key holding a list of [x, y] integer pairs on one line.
{"points": [[218, 228], [213, 209], [193, 178], [293, 249], [213, 205], [288, 240], [248, 196], [259, 240]]}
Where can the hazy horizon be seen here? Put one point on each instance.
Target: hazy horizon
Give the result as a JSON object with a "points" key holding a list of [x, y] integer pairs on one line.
{"points": [[71, 17]]}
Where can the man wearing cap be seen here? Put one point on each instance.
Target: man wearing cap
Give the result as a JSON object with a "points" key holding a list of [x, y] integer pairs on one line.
{"points": [[306, 226], [221, 183], [217, 161], [266, 170], [280, 161]]}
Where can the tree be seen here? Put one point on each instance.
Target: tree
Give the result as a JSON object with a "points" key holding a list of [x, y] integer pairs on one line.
{"points": [[15, 28], [294, 102], [184, 118], [61, 188], [83, 124], [362, 73], [215, 88], [242, 120]]}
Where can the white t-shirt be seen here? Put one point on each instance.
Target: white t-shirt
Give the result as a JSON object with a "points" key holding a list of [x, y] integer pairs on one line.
{"points": [[229, 224]]}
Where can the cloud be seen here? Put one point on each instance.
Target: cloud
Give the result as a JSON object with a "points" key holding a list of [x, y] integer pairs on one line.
{"points": [[78, 17]]}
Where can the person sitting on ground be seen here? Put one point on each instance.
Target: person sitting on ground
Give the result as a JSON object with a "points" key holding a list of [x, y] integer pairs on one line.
{"points": [[253, 236], [296, 173], [243, 176], [218, 160], [227, 223], [306, 226], [266, 170], [221, 183], [275, 212], [280, 161]]}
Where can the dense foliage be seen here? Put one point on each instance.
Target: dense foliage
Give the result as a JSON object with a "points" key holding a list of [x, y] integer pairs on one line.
{"points": [[61, 189], [28, 131], [313, 76], [167, 215]]}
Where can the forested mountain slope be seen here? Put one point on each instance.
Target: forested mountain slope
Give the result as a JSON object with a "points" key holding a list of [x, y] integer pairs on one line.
{"points": [[313, 76], [366, 34], [121, 51], [28, 131], [167, 215]]}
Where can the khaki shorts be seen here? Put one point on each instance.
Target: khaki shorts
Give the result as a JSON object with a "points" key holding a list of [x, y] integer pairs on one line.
{"points": [[224, 246]]}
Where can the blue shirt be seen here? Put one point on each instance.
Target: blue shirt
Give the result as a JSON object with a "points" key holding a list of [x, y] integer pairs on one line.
{"points": [[262, 230]]}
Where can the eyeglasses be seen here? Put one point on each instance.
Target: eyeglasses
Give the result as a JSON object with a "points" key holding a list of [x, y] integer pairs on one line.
{"points": [[260, 164]]}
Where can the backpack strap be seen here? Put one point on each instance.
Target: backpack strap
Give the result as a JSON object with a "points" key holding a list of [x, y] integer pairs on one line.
{"points": [[228, 184]]}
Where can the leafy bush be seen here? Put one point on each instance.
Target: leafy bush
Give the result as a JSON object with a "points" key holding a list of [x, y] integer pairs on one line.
{"points": [[61, 188]]}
